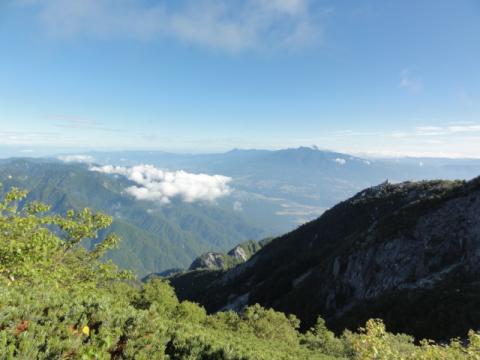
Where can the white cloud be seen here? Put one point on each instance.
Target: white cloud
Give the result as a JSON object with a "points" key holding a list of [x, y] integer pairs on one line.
{"points": [[159, 185], [409, 82], [340, 161], [87, 159], [237, 206], [223, 24]]}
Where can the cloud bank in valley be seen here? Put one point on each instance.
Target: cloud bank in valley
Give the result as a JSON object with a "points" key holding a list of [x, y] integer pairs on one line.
{"points": [[87, 159], [159, 185]]}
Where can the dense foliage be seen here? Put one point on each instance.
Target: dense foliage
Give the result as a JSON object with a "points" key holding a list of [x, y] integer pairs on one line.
{"points": [[58, 301]]}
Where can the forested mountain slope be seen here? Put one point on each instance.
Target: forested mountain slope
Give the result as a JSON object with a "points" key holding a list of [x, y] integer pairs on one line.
{"points": [[154, 237], [407, 253]]}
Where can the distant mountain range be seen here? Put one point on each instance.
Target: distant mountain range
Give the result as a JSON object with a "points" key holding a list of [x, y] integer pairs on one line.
{"points": [[272, 192], [408, 253], [279, 190]]}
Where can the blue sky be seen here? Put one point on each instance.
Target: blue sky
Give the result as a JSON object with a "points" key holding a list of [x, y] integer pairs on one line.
{"points": [[366, 77]]}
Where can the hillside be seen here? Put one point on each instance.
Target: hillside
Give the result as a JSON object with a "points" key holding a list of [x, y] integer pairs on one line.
{"points": [[154, 238], [406, 253]]}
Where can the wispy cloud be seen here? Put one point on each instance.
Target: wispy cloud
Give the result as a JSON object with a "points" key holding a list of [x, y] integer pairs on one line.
{"points": [[224, 24], [410, 82], [447, 130], [78, 123], [464, 128], [159, 185], [454, 139], [27, 138], [429, 130]]}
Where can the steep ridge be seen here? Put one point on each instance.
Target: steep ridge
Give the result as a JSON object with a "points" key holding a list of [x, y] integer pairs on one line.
{"points": [[407, 253]]}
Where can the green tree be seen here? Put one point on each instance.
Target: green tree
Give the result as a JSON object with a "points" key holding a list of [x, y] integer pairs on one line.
{"points": [[321, 339]]}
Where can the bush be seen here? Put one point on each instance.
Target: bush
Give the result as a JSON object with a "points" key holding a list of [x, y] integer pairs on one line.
{"points": [[59, 301], [323, 340]]}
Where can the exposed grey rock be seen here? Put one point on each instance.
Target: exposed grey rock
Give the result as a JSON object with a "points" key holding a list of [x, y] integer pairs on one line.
{"points": [[238, 253], [208, 260]]}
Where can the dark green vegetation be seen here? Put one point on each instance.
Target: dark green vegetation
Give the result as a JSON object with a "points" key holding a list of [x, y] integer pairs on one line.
{"points": [[156, 238], [406, 253], [58, 301]]}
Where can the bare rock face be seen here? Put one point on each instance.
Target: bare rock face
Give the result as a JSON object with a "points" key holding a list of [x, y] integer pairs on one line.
{"points": [[407, 253], [221, 261], [209, 260], [238, 253], [443, 241]]}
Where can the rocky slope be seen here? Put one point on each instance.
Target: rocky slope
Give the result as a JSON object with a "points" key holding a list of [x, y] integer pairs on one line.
{"points": [[218, 260], [408, 253]]}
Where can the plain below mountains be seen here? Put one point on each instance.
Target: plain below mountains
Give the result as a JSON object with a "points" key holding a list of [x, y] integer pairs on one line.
{"points": [[407, 253]]}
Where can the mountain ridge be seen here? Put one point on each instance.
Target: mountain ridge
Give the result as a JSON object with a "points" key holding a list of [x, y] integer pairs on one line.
{"points": [[356, 260]]}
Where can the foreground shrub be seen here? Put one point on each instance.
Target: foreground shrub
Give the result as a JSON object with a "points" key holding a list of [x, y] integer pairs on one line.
{"points": [[59, 301]]}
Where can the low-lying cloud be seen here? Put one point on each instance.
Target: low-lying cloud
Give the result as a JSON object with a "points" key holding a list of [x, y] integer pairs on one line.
{"points": [[87, 159], [159, 185]]}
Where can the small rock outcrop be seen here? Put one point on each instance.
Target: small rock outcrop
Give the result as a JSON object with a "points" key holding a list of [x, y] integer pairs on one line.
{"points": [[210, 260], [238, 253], [221, 261]]}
